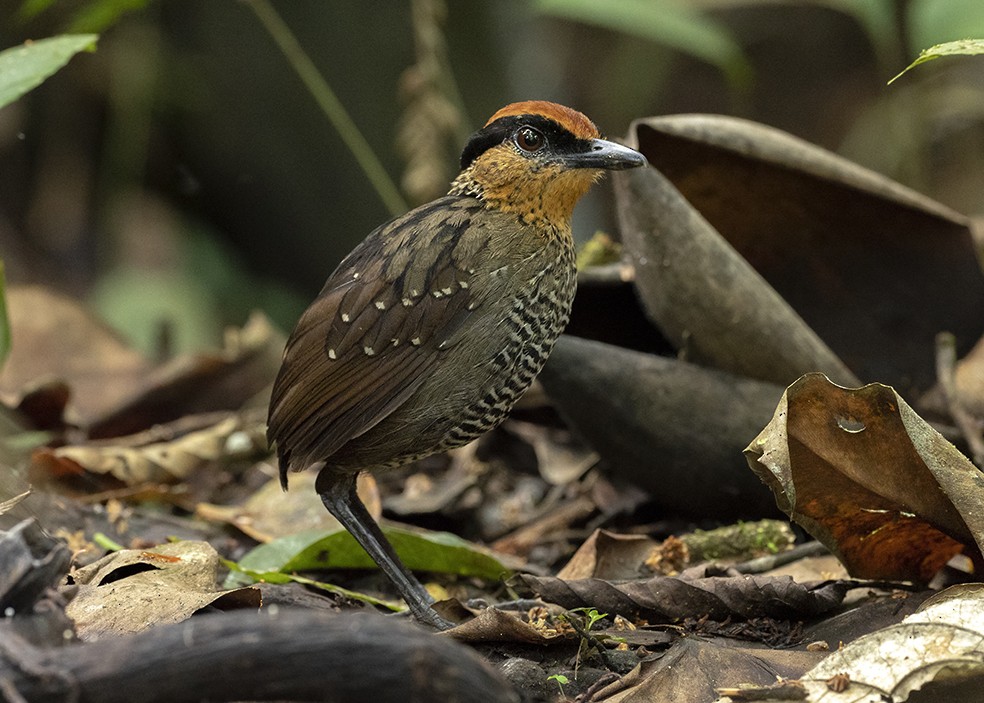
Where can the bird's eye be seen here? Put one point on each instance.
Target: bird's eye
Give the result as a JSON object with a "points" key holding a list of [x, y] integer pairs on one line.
{"points": [[529, 139]]}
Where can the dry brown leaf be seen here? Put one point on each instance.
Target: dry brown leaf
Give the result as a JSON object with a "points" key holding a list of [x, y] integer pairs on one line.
{"points": [[870, 479], [691, 670], [494, 625], [710, 302], [943, 642], [272, 512], [607, 555], [133, 460], [131, 590], [56, 338], [62, 356], [227, 379]]}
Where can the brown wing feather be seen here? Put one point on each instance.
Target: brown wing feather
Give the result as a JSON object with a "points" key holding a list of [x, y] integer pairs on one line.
{"points": [[375, 332]]}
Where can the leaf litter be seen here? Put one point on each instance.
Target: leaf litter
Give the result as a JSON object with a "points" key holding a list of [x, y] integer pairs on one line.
{"points": [[641, 610]]}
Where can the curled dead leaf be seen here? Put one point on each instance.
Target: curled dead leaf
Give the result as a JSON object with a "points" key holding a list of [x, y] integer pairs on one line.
{"points": [[865, 475], [825, 233], [669, 599]]}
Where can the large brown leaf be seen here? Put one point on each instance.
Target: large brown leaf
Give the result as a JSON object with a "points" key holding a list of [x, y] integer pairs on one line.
{"points": [[869, 264], [704, 296], [864, 474]]}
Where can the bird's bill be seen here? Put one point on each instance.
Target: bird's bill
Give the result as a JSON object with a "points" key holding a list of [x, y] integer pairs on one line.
{"points": [[601, 153]]}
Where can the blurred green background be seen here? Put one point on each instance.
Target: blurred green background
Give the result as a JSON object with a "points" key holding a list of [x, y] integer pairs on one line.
{"points": [[182, 175]]}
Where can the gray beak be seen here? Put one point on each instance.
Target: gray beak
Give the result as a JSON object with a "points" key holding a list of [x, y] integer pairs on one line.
{"points": [[602, 153]]}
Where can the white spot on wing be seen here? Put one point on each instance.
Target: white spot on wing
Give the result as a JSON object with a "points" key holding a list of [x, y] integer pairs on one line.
{"points": [[345, 317], [369, 351], [332, 354], [380, 305], [415, 341]]}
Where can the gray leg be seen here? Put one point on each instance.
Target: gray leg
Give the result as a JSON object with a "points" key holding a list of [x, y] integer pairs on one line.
{"points": [[339, 496]]}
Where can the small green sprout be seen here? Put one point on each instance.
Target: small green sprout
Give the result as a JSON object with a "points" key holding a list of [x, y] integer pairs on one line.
{"points": [[561, 680]]}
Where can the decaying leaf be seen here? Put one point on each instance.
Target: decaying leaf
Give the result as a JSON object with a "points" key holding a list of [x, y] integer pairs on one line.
{"points": [[870, 479], [140, 459], [494, 625], [114, 389], [607, 555], [691, 669], [131, 590], [669, 599], [227, 379], [271, 512], [56, 337], [942, 642]]}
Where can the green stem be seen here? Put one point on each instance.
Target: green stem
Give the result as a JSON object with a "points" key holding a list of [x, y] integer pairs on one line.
{"points": [[330, 105]]}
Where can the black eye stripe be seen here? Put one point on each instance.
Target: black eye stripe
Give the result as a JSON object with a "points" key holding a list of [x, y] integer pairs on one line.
{"points": [[559, 139]]}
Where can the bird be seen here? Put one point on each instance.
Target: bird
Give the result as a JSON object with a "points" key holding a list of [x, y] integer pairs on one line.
{"points": [[431, 329]]}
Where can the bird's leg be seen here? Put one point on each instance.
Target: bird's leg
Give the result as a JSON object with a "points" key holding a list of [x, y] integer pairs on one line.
{"points": [[339, 496]]}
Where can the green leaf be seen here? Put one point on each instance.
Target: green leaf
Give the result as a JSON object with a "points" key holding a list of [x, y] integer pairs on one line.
{"points": [[439, 552], [665, 22], [5, 339], [965, 47], [23, 68]]}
